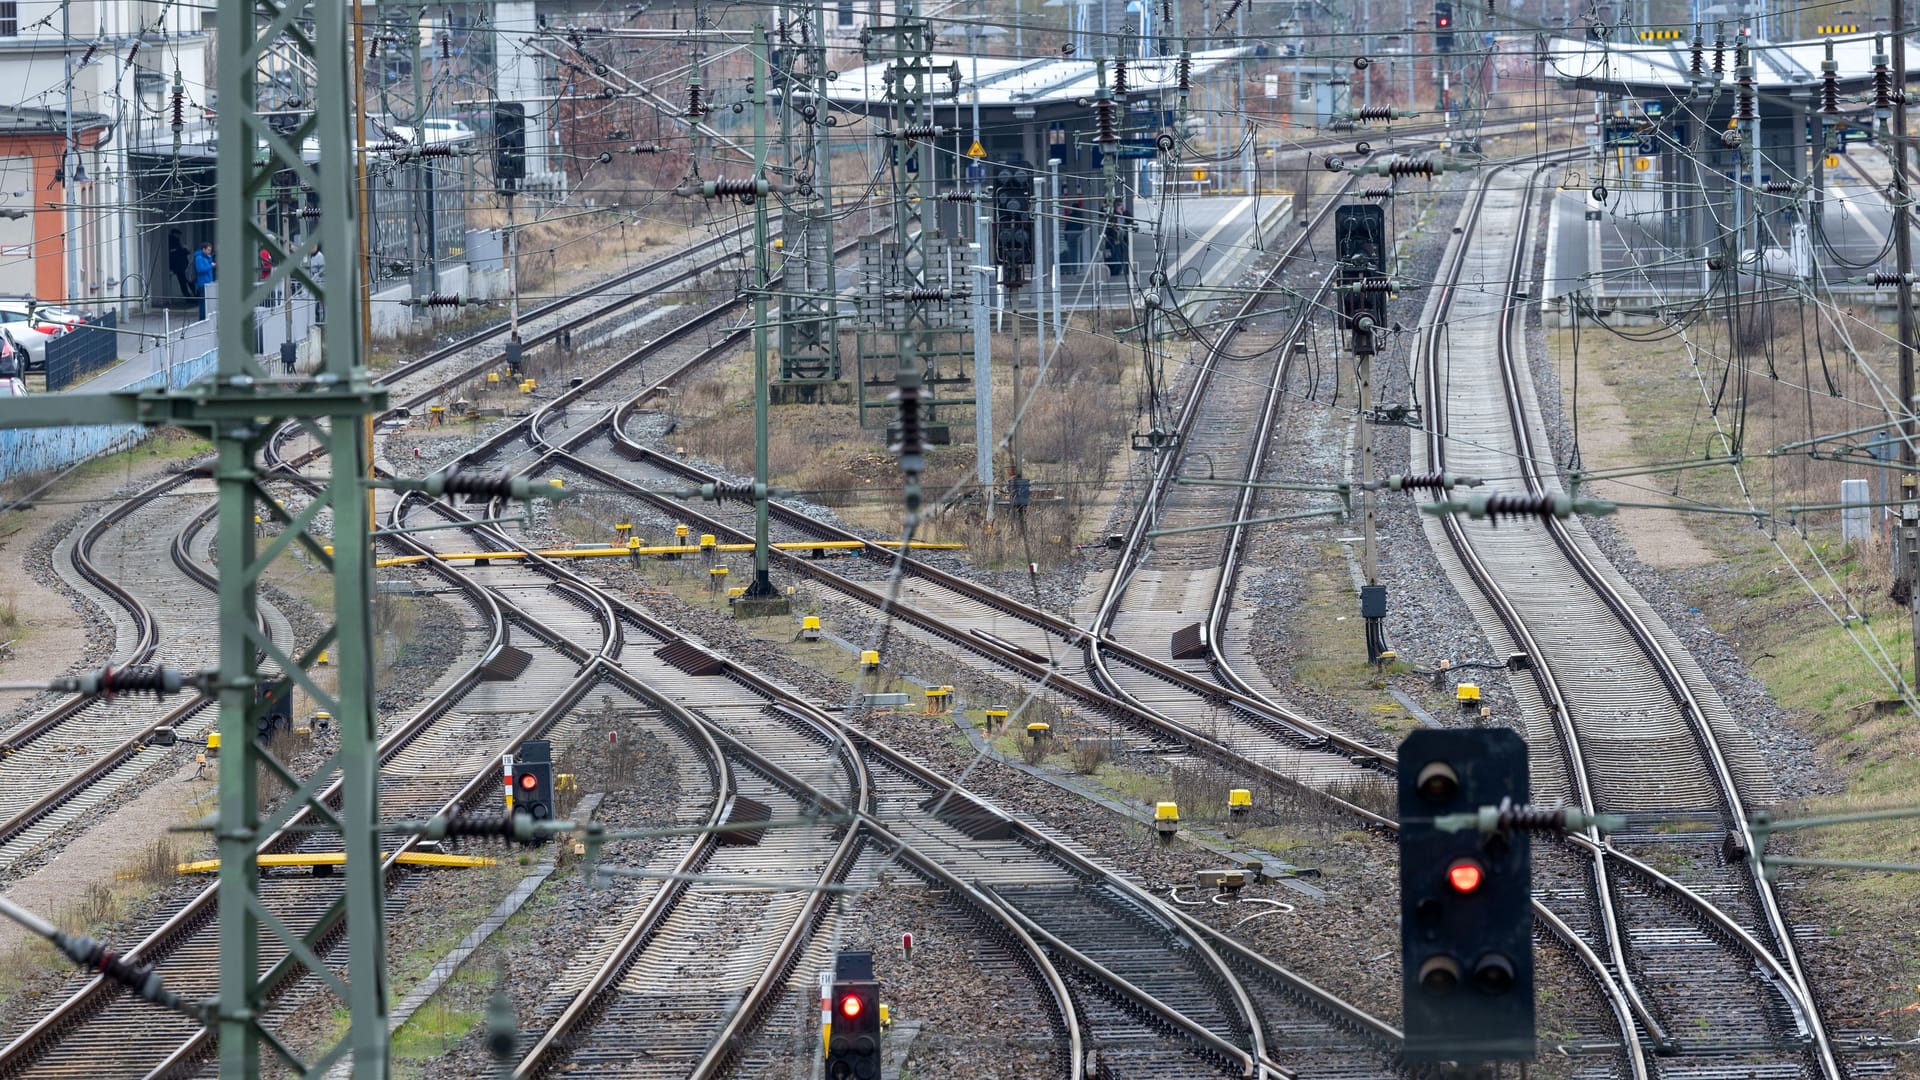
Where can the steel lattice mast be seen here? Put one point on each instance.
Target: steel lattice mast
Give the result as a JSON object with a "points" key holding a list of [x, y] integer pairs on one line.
{"points": [[238, 408]]}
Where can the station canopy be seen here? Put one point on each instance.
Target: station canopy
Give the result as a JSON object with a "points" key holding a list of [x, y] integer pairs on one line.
{"points": [[1008, 82], [1663, 68]]}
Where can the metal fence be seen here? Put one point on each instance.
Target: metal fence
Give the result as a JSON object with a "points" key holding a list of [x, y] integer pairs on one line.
{"points": [[31, 450], [75, 355]]}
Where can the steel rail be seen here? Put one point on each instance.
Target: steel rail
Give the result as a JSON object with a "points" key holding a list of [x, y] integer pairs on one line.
{"points": [[584, 1006], [985, 896], [146, 626], [1792, 981], [719, 1055], [1683, 693], [1628, 994], [778, 694], [1616, 985], [95, 993], [284, 973]]}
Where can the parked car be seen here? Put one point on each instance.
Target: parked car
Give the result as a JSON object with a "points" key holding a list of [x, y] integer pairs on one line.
{"points": [[445, 129], [479, 118], [13, 372], [29, 325]]}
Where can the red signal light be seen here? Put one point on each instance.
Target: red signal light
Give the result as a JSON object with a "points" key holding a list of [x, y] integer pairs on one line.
{"points": [[851, 1006], [529, 781], [1465, 876]]}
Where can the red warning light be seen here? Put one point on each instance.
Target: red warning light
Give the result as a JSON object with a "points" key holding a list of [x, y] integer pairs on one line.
{"points": [[1465, 875], [851, 1005], [529, 781], [1445, 21]]}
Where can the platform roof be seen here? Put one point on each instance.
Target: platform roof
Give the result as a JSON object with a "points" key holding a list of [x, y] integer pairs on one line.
{"points": [[1006, 82], [1655, 68]]}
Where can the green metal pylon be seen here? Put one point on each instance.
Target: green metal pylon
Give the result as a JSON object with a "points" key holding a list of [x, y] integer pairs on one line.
{"points": [[238, 408], [247, 33]]}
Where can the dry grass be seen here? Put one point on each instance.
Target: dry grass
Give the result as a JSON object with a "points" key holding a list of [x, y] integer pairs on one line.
{"points": [[1088, 754], [1077, 415], [157, 863]]}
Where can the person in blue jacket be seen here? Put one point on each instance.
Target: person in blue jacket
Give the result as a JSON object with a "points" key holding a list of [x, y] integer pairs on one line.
{"points": [[203, 273]]}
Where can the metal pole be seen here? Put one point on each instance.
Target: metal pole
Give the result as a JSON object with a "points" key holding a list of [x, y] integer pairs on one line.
{"points": [[982, 362], [1040, 248], [239, 815], [364, 329], [127, 200], [1413, 56], [762, 586], [513, 290], [425, 278], [1053, 247], [1903, 266], [1369, 547], [1366, 49], [69, 157]]}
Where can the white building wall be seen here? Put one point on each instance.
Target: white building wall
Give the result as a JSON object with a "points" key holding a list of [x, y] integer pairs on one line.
{"points": [[48, 41]]}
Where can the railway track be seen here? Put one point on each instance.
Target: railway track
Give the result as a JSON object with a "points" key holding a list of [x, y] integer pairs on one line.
{"points": [[78, 753], [1638, 727], [951, 616], [172, 945], [518, 570], [444, 758], [993, 629], [66, 799], [748, 725], [138, 563], [993, 648]]}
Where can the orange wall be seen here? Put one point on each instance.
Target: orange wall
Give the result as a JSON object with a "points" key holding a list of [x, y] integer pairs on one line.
{"points": [[50, 220]]}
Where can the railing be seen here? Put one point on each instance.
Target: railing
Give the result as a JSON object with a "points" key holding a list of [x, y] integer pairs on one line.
{"points": [[82, 351]]}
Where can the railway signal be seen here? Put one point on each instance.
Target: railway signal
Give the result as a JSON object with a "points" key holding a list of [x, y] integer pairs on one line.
{"points": [[853, 1040], [1012, 227], [509, 145], [533, 780], [1360, 243], [1443, 26], [1466, 918]]}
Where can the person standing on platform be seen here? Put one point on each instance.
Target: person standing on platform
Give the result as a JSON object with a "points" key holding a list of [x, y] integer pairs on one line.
{"points": [[203, 266], [180, 264]]}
